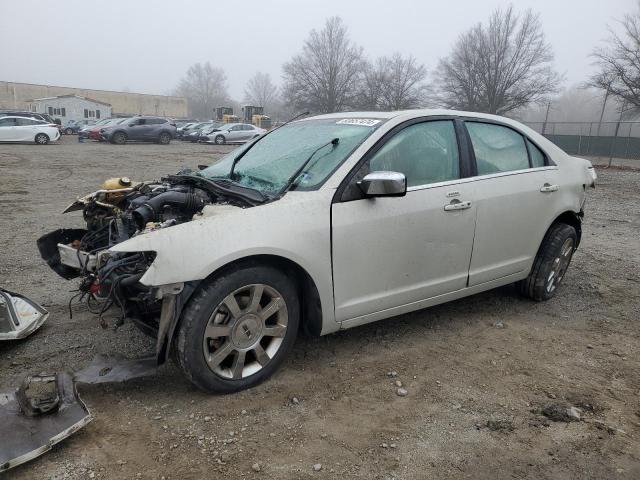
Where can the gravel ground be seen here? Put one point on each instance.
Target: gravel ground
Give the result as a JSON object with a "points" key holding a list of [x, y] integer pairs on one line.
{"points": [[478, 373]]}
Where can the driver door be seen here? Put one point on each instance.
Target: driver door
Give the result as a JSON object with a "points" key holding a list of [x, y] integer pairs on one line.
{"points": [[394, 252], [7, 129]]}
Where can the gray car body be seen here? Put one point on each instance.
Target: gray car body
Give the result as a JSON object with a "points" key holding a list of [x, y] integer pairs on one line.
{"points": [[141, 129]]}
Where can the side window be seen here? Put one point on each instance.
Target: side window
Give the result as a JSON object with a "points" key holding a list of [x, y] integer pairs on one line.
{"points": [[425, 152], [497, 148], [24, 122], [248, 127], [7, 122], [537, 157]]}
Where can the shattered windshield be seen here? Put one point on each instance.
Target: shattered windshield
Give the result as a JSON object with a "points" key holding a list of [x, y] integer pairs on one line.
{"points": [[268, 164]]}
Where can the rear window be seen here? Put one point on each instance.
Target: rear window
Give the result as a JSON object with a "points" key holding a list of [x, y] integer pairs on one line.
{"points": [[497, 148]]}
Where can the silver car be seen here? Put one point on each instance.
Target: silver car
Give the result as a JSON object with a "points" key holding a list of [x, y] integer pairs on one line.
{"points": [[234, 133], [325, 224]]}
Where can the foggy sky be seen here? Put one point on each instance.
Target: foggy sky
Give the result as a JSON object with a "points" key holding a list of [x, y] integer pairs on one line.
{"points": [[146, 46]]}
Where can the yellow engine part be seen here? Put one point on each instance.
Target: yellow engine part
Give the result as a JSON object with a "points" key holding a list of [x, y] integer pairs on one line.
{"points": [[117, 183]]}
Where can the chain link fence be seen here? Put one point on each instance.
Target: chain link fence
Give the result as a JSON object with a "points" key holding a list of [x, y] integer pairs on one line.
{"points": [[596, 139]]}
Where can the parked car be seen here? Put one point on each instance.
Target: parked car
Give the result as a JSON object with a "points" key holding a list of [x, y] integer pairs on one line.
{"points": [[180, 128], [44, 117], [93, 131], [142, 129], [24, 129], [324, 224], [234, 133], [72, 127], [187, 131], [200, 134]]}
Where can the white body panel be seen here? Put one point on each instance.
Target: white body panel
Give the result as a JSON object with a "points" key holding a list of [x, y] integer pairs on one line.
{"points": [[27, 133], [390, 255]]}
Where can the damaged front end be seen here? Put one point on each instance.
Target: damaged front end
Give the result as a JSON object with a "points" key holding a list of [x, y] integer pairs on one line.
{"points": [[19, 316], [120, 210]]}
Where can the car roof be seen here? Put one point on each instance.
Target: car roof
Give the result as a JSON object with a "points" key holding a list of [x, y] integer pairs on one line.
{"points": [[24, 118], [427, 112]]}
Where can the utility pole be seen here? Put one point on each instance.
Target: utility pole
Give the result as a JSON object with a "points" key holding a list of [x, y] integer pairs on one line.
{"points": [[546, 118], [604, 105]]}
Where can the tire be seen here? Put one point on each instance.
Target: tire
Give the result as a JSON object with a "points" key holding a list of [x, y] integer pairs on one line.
{"points": [[68, 131], [222, 352], [220, 140], [164, 138], [119, 138], [551, 263], [41, 139]]}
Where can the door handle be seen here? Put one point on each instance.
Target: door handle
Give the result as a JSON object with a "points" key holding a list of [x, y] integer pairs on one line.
{"points": [[547, 187], [457, 205]]}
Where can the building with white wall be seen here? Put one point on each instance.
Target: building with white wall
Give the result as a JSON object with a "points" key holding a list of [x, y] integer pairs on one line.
{"points": [[71, 107]]}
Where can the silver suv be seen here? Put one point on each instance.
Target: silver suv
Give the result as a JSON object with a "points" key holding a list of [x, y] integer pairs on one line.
{"points": [[142, 129]]}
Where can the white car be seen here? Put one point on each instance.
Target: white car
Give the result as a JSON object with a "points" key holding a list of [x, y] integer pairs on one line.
{"points": [[23, 129], [233, 133], [325, 224]]}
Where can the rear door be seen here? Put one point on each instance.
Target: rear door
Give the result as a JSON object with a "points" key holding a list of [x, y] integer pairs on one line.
{"points": [[515, 190], [394, 252], [26, 129]]}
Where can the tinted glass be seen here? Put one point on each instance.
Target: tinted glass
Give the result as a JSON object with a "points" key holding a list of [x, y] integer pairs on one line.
{"points": [[22, 122], [425, 152], [497, 148], [537, 157], [7, 122]]}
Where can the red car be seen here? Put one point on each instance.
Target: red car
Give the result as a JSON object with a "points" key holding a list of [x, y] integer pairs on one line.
{"points": [[94, 131]]}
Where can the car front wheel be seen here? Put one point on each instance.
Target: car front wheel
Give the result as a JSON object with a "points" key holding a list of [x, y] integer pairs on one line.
{"points": [[220, 140], [551, 263], [119, 138], [42, 139], [238, 328]]}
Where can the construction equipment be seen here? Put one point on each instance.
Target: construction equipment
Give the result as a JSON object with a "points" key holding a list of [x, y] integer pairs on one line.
{"points": [[222, 111], [230, 118], [261, 121]]}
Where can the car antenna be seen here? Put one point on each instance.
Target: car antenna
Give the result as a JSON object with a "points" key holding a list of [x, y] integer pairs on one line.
{"points": [[297, 173], [237, 159]]}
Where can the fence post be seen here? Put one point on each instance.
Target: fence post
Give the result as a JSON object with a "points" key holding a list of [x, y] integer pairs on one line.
{"points": [[613, 142]]}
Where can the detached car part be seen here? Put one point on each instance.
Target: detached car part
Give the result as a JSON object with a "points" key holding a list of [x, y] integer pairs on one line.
{"points": [[19, 316], [45, 410]]}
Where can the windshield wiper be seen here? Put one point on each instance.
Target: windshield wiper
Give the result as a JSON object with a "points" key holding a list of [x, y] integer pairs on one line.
{"points": [[237, 159], [296, 174]]}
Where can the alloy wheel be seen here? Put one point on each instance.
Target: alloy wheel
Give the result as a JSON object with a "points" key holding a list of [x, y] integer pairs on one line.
{"points": [[560, 265], [245, 331]]}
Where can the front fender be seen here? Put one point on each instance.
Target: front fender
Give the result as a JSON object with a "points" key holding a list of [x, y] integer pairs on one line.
{"points": [[296, 228]]}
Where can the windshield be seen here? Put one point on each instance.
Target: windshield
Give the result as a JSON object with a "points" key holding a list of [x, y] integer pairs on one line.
{"points": [[269, 162]]}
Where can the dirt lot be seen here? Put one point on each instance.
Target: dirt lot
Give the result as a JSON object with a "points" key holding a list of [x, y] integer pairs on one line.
{"points": [[476, 370]]}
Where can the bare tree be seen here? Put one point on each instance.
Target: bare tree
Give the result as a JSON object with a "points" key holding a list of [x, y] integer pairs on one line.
{"points": [[498, 68], [324, 77], [205, 87], [392, 83], [260, 91], [619, 63]]}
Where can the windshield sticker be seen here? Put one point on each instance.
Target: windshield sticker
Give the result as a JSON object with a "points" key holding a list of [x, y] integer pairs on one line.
{"points": [[364, 122]]}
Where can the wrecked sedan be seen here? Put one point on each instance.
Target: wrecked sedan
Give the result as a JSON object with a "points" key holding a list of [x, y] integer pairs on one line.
{"points": [[324, 224]]}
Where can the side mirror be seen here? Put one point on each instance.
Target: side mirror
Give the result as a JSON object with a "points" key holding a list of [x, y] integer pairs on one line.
{"points": [[384, 184]]}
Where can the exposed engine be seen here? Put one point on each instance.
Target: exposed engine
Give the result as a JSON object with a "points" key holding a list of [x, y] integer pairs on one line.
{"points": [[120, 210]]}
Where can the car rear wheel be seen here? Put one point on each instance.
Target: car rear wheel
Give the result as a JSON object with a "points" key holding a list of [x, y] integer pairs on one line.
{"points": [[220, 140], [42, 139], [237, 329], [119, 138], [164, 138], [551, 263]]}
